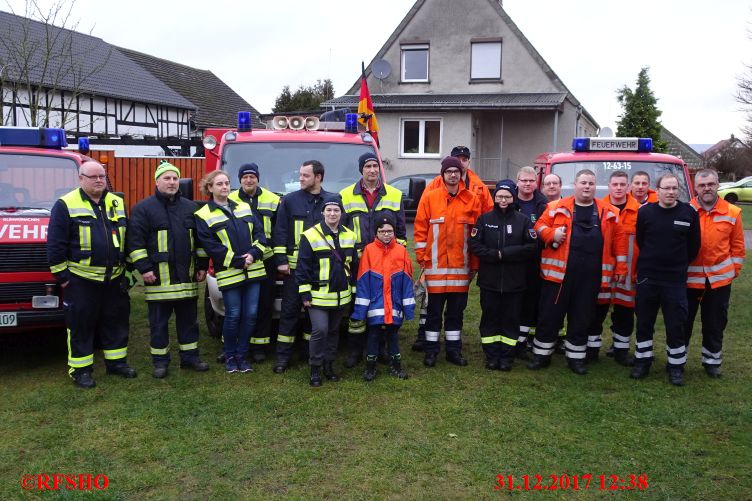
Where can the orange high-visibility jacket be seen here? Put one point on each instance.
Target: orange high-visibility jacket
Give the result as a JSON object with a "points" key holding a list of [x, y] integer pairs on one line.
{"points": [[624, 293], [722, 250], [652, 197], [474, 184], [554, 261], [442, 231]]}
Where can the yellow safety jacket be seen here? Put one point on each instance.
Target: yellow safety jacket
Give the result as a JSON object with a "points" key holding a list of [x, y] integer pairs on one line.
{"points": [[327, 266]]}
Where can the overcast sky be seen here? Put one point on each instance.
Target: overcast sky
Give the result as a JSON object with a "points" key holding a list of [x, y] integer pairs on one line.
{"points": [[695, 49]]}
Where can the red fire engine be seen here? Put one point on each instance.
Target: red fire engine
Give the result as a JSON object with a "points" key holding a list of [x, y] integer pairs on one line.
{"points": [[279, 152], [34, 172], [603, 155]]}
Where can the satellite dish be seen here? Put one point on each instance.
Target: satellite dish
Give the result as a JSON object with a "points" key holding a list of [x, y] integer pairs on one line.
{"points": [[606, 132], [381, 69]]}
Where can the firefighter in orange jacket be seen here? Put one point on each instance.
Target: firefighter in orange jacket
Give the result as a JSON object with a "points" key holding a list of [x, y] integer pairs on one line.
{"points": [[472, 182], [585, 251], [640, 189], [443, 222], [716, 266], [622, 294]]}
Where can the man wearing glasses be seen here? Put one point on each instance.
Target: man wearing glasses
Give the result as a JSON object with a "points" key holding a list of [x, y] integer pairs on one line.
{"points": [[716, 266], [86, 252], [443, 222], [668, 236]]}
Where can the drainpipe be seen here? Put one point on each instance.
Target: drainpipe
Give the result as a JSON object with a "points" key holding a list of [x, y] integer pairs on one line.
{"points": [[556, 130]]}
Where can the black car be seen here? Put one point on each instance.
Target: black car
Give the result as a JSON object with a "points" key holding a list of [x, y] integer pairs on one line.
{"points": [[402, 183]]}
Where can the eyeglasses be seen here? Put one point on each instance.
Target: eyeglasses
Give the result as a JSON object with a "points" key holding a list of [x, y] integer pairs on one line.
{"points": [[99, 177], [669, 188], [505, 197], [453, 172], [384, 232]]}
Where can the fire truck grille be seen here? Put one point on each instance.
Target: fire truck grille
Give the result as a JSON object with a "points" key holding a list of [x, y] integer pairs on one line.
{"points": [[20, 293], [23, 257]]}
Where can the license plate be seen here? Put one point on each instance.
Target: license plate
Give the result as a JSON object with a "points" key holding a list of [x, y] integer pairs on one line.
{"points": [[8, 320]]}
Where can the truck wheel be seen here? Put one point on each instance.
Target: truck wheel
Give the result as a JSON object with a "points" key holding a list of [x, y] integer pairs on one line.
{"points": [[731, 198], [214, 321]]}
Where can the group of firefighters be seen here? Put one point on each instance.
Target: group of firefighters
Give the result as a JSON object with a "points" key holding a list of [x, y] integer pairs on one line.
{"points": [[539, 259]]}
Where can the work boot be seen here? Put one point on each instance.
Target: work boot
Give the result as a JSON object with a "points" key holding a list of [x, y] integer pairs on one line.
{"points": [[417, 345], [329, 372], [196, 364], [315, 380], [492, 364], [370, 373], [430, 360], [505, 364], [456, 358], [713, 371], [577, 366], [676, 376], [280, 366], [122, 370], [622, 357], [160, 371], [539, 362], [591, 355], [353, 358], [258, 357], [640, 370], [396, 369], [84, 380]]}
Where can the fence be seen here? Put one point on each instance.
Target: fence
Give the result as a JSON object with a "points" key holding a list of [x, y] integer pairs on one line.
{"points": [[134, 176]]}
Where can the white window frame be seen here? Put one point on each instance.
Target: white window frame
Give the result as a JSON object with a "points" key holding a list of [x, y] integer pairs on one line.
{"points": [[414, 47], [480, 42], [421, 136]]}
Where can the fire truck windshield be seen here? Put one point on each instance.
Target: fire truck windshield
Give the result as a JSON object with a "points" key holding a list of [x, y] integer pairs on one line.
{"points": [[603, 169], [279, 162], [29, 181]]}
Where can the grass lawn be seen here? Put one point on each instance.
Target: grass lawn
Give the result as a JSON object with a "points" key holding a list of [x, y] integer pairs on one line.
{"points": [[443, 434], [746, 215]]}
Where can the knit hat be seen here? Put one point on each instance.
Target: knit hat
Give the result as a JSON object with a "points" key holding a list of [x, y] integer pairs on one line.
{"points": [[461, 151], [450, 162], [333, 200], [165, 166], [365, 157], [385, 218], [250, 168], [508, 185]]}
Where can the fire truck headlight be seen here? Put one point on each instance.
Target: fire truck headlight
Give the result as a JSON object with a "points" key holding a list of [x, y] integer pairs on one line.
{"points": [[210, 142]]}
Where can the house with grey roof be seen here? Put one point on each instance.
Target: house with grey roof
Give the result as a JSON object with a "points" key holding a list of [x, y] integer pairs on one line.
{"points": [[50, 76], [460, 72]]}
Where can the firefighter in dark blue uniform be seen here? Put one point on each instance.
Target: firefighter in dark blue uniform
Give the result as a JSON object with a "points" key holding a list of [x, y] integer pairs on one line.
{"points": [[86, 252], [264, 204], [162, 245], [297, 212]]}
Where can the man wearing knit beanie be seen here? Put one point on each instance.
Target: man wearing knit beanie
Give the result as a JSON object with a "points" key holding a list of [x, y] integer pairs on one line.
{"points": [[443, 222], [264, 204], [365, 202], [162, 245]]}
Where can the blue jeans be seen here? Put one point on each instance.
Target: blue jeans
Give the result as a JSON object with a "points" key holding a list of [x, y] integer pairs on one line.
{"points": [[390, 332], [241, 310]]}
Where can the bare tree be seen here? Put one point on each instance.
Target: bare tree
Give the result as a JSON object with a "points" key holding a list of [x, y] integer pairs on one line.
{"points": [[42, 69]]}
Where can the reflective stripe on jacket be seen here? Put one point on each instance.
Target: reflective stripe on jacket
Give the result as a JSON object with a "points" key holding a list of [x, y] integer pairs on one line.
{"points": [[722, 251], [554, 260], [297, 212], [264, 204], [360, 218], [442, 230], [384, 290], [624, 293], [327, 264], [226, 236], [87, 239]]}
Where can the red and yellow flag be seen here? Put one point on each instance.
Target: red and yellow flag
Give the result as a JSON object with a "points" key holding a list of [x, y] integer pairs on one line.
{"points": [[366, 115]]}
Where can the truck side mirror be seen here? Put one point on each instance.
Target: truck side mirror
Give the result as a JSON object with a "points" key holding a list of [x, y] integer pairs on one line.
{"points": [[416, 189], [186, 187]]}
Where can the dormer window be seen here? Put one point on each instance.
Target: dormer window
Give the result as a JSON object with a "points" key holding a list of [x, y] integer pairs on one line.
{"points": [[414, 62]]}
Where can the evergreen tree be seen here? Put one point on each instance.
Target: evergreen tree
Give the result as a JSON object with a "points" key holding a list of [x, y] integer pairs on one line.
{"points": [[641, 113], [306, 98]]}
